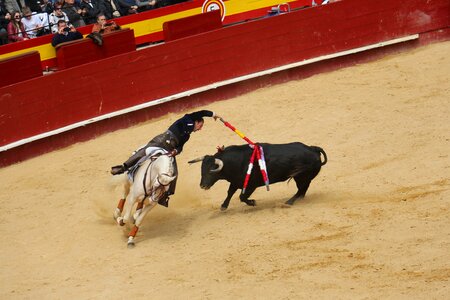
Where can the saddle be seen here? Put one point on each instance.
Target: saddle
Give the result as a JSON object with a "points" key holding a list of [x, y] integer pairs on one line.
{"points": [[152, 153]]}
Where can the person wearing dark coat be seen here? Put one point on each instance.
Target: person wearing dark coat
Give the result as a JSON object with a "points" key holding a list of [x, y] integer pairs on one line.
{"points": [[129, 7], [163, 3], [5, 17], [33, 5], [65, 34], [47, 6], [111, 9], [73, 12], [90, 10]]}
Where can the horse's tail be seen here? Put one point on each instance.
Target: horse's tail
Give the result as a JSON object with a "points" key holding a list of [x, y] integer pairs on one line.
{"points": [[320, 150], [117, 180]]}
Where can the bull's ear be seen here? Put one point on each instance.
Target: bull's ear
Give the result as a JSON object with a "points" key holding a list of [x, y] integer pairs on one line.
{"points": [[196, 160]]}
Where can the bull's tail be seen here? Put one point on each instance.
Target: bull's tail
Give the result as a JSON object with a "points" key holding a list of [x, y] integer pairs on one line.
{"points": [[320, 150]]}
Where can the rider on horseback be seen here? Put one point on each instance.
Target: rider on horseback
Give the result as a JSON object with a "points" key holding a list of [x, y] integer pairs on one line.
{"points": [[172, 140]]}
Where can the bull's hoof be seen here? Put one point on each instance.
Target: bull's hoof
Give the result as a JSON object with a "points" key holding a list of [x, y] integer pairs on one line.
{"points": [[289, 202], [250, 202]]}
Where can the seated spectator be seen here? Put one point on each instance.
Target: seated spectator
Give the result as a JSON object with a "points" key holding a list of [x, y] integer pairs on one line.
{"points": [[73, 12], [102, 26], [3, 9], [144, 5], [32, 23], [56, 16], [90, 10], [65, 34], [111, 9], [34, 5], [12, 5], [5, 17], [163, 3], [129, 7], [16, 31], [44, 17], [47, 6]]}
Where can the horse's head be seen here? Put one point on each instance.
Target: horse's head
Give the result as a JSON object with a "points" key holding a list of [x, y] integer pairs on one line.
{"points": [[164, 165]]}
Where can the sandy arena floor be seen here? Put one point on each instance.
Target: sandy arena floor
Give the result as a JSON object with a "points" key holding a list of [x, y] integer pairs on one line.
{"points": [[375, 223]]}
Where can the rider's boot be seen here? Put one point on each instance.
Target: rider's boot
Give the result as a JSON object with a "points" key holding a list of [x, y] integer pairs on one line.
{"points": [[116, 170]]}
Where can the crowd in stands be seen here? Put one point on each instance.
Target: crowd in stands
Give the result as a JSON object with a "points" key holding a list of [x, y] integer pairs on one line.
{"points": [[26, 19]]}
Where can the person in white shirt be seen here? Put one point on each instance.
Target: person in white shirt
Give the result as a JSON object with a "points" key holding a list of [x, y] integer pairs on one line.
{"points": [[31, 22], [55, 16]]}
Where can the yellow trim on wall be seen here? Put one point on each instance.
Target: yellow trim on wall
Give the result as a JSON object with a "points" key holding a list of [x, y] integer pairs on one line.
{"points": [[47, 51]]}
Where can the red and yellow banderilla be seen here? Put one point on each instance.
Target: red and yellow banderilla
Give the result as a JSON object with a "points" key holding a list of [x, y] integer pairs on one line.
{"points": [[258, 154]]}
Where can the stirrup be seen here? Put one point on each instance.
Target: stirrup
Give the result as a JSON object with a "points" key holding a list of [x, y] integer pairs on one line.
{"points": [[164, 201]]}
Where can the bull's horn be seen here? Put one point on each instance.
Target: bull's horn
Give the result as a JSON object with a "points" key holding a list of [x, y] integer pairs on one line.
{"points": [[220, 165], [196, 160]]}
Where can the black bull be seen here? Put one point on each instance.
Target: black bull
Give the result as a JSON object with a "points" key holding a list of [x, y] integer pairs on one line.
{"points": [[283, 161]]}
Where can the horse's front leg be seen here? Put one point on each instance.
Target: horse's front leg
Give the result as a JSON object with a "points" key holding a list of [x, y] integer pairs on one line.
{"points": [[118, 211], [131, 199], [138, 210], [138, 222]]}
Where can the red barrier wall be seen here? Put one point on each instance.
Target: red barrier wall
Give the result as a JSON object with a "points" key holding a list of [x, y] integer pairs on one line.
{"points": [[137, 77], [19, 68], [192, 25]]}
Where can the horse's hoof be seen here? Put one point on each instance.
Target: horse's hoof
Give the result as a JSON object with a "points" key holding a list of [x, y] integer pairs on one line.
{"points": [[223, 208], [130, 243], [120, 221], [286, 205]]}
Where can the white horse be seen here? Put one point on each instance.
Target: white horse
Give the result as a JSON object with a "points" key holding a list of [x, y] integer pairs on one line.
{"points": [[151, 181]]}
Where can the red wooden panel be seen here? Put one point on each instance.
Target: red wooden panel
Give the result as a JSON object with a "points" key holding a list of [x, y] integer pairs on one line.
{"points": [[192, 25], [83, 51], [19, 68], [76, 53], [118, 42]]}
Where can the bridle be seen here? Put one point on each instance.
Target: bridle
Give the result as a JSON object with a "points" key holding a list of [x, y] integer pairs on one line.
{"points": [[147, 171]]}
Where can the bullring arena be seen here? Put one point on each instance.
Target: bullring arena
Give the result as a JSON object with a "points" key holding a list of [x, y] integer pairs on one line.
{"points": [[374, 223]]}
